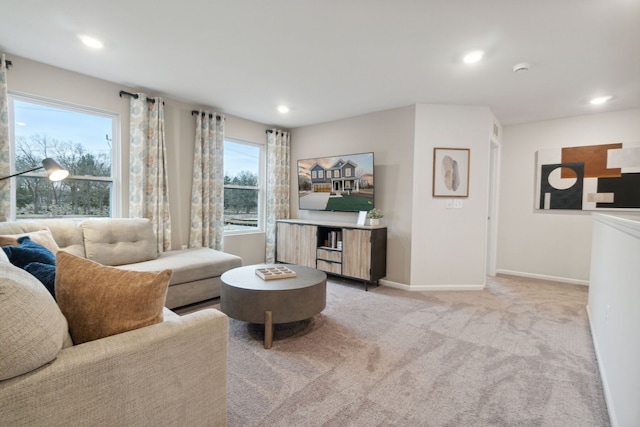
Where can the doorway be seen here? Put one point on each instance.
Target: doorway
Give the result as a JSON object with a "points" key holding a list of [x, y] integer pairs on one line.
{"points": [[492, 208]]}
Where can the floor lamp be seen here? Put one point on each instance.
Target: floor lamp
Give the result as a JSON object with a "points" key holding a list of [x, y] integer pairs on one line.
{"points": [[55, 172]]}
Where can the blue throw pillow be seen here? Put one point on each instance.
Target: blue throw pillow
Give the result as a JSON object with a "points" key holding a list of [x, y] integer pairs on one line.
{"points": [[28, 252], [46, 273]]}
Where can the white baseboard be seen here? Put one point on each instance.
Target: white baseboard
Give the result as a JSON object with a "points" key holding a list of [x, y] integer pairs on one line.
{"points": [[415, 288], [406, 287], [603, 375], [544, 277]]}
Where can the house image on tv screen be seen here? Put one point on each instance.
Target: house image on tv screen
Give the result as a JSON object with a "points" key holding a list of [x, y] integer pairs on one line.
{"points": [[338, 183], [339, 177]]}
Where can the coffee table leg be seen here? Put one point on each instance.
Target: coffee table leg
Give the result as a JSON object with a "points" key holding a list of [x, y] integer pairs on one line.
{"points": [[268, 329]]}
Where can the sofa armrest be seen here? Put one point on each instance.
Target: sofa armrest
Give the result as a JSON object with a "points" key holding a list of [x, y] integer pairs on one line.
{"points": [[171, 373]]}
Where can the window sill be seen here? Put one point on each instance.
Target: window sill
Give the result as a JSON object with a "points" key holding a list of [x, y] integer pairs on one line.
{"points": [[242, 232]]}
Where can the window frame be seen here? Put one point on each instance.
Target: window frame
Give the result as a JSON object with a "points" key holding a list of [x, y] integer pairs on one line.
{"points": [[116, 193], [260, 187]]}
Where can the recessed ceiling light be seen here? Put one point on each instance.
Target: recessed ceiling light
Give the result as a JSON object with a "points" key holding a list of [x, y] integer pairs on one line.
{"points": [[473, 57], [283, 109], [600, 100], [91, 41]]}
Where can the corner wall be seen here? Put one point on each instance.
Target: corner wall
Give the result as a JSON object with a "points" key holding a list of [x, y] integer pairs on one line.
{"points": [[429, 247], [553, 245], [449, 245]]}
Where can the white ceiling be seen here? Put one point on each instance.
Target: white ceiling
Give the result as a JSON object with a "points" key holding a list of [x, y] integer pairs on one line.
{"points": [[330, 59]]}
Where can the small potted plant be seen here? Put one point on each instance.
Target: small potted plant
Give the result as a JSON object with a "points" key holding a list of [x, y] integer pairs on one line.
{"points": [[374, 216]]}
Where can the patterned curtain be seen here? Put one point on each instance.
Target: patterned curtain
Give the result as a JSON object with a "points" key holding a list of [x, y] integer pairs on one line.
{"points": [[278, 148], [148, 186], [207, 191], [5, 152]]}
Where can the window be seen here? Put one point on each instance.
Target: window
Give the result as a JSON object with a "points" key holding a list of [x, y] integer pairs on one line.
{"points": [[336, 173], [328, 174], [313, 175], [347, 172], [321, 174], [242, 186], [82, 140]]}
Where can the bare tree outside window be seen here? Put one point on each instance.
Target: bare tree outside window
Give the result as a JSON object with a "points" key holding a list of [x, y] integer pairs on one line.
{"points": [[241, 187], [81, 143]]}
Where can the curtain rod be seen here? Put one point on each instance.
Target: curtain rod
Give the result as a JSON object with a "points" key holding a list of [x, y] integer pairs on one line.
{"points": [[8, 63], [135, 96], [195, 112]]}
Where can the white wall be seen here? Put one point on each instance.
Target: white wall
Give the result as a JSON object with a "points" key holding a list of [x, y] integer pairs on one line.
{"points": [[554, 245], [550, 244], [389, 134], [614, 317], [428, 246], [448, 245], [34, 78]]}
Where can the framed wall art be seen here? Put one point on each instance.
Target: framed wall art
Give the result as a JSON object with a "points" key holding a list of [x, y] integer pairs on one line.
{"points": [[594, 177], [451, 172]]}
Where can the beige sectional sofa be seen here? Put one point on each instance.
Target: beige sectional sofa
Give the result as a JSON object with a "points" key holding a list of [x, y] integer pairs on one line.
{"points": [[168, 373], [130, 244]]}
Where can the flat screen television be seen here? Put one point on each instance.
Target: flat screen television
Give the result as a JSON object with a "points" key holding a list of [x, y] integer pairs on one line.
{"points": [[336, 183]]}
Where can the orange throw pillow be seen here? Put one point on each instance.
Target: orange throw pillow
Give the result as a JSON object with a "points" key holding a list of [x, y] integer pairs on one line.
{"points": [[99, 301]]}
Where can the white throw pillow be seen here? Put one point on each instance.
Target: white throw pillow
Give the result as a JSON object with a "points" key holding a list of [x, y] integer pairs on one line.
{"points": [[42, 237], [33, 330]]}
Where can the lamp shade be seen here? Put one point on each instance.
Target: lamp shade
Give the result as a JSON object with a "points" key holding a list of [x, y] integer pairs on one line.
{"points": [[55, 172], [53, 169]]}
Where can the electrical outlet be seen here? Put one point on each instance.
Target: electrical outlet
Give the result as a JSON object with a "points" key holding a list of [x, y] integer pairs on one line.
{"points": [[457, 204], [448, 204]]}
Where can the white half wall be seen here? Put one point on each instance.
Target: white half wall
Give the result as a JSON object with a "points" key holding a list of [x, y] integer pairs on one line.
{"points": [[614, 296], [552, 245]]}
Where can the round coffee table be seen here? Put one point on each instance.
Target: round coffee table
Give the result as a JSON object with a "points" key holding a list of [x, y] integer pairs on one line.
{"points": [[247, 297]]}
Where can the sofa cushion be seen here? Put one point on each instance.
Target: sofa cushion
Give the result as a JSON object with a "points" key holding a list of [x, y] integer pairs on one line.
{"points": [[32, 327], [189, 265], [42, 237], [99, 301], [117, 241], [28, 252]]}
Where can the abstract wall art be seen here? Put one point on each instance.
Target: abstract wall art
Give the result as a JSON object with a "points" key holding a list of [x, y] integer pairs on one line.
{"points": [[593, 177], [451, 172]]}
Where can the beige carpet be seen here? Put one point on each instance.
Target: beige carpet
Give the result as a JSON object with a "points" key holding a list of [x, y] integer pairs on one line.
{"points": [[516, 354]]}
